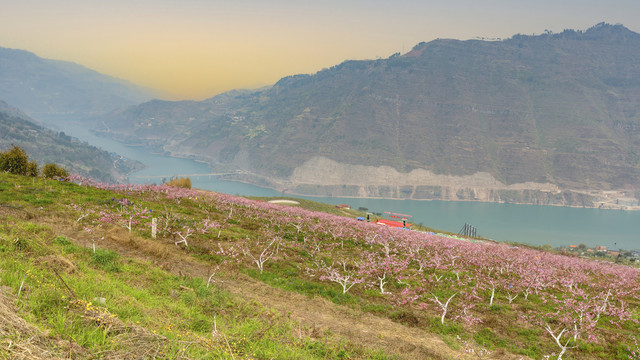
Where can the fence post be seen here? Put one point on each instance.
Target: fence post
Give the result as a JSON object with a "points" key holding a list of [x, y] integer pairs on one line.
{"points": [[154, 227]]}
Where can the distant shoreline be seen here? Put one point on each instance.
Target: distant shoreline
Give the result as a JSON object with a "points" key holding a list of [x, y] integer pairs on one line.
{"points": [[289, 193]]}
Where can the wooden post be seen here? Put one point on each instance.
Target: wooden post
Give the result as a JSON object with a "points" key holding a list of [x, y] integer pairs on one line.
{"points": [[154, 227]]}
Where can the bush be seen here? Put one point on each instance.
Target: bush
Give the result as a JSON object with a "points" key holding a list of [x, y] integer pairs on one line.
{"points": [[180, 182], [53, 171], [15, 161], [32, 169]]}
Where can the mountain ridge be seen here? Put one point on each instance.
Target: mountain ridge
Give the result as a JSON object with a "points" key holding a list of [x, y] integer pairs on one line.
{"points": [[48, 146], [42, 86], [554, 109]]}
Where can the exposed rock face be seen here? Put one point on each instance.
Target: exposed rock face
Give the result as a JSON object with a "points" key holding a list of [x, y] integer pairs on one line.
{"points": [[322, 176], [321, 170]]}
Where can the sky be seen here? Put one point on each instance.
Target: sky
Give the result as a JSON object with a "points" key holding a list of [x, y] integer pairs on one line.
{"points": [[195, 49]]}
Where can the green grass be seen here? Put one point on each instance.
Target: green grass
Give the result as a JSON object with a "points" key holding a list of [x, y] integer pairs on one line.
{"points": [[487, 338], [173, 307], [184, 310], [291, 282], [106, 259]]}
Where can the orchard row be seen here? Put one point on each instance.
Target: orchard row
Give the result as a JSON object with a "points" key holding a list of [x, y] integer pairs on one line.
{"points": [[575, 301]]}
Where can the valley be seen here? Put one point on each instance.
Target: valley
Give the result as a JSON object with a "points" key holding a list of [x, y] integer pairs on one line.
{"points": [[530, 119]]}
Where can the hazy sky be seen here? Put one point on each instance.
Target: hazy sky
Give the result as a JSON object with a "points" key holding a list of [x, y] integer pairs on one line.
{"points": [[194, 49]]}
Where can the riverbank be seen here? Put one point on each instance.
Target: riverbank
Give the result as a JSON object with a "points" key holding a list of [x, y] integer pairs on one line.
{"points": [[322, 177], [605, 200], [536, 225]]}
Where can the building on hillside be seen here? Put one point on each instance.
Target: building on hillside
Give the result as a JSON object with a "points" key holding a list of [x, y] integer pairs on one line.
{"points": [[601, 248], [343, 206], [391, 223], [613, 252]]}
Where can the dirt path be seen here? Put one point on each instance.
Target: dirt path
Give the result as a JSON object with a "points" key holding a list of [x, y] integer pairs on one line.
{"points": [[321, 315]]}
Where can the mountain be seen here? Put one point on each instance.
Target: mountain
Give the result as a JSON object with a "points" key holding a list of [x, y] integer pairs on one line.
{"points": [[46, 146], [40, 86], [547, 119]]}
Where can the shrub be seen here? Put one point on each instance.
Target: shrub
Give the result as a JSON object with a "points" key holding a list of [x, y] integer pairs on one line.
{"points": [[180, 182], [53, 171], [15, 161], [32, 169]]}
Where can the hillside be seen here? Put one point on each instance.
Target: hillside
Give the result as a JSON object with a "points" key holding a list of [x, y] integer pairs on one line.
{"points": [[41, 86], [47, 146], [547, 119], [83, 276]]}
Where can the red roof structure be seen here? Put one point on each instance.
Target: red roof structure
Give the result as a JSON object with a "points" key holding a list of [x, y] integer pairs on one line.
{"points": [[391, 223]]}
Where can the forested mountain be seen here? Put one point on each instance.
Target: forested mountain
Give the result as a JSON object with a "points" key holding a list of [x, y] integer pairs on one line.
{"points": [[547, 119], [41, 86], [46, 146]]}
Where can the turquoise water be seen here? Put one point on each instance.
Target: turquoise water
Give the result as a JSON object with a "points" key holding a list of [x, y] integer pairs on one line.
{"points": [[536, 225], [532, 224]]}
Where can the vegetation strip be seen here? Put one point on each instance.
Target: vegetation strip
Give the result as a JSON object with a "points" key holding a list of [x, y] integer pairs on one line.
{"points": [[473, 295]]}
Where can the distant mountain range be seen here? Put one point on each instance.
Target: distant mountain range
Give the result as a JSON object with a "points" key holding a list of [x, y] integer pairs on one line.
{"points": [[49, 87], [46, 146], [547, 119]]}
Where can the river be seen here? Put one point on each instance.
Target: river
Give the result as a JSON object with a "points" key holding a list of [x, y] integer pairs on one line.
{"points": [[532, 224]]}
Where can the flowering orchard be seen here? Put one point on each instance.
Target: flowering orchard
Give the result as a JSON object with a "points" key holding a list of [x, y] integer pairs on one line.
{"points": [[572, 305]]}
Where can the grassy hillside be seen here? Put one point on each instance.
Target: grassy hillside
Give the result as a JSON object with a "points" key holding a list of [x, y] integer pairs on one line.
{"points": [[81, 276]]}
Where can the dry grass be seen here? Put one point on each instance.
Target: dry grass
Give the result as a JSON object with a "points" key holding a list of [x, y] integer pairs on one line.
{"points": [[180, 182], [130, 341], [20, 340], [128, 241], [59, 262]]}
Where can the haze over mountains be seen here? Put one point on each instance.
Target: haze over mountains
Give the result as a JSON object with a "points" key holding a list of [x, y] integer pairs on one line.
{"points": [[43, 87], [548, 119], [49, 89]]}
